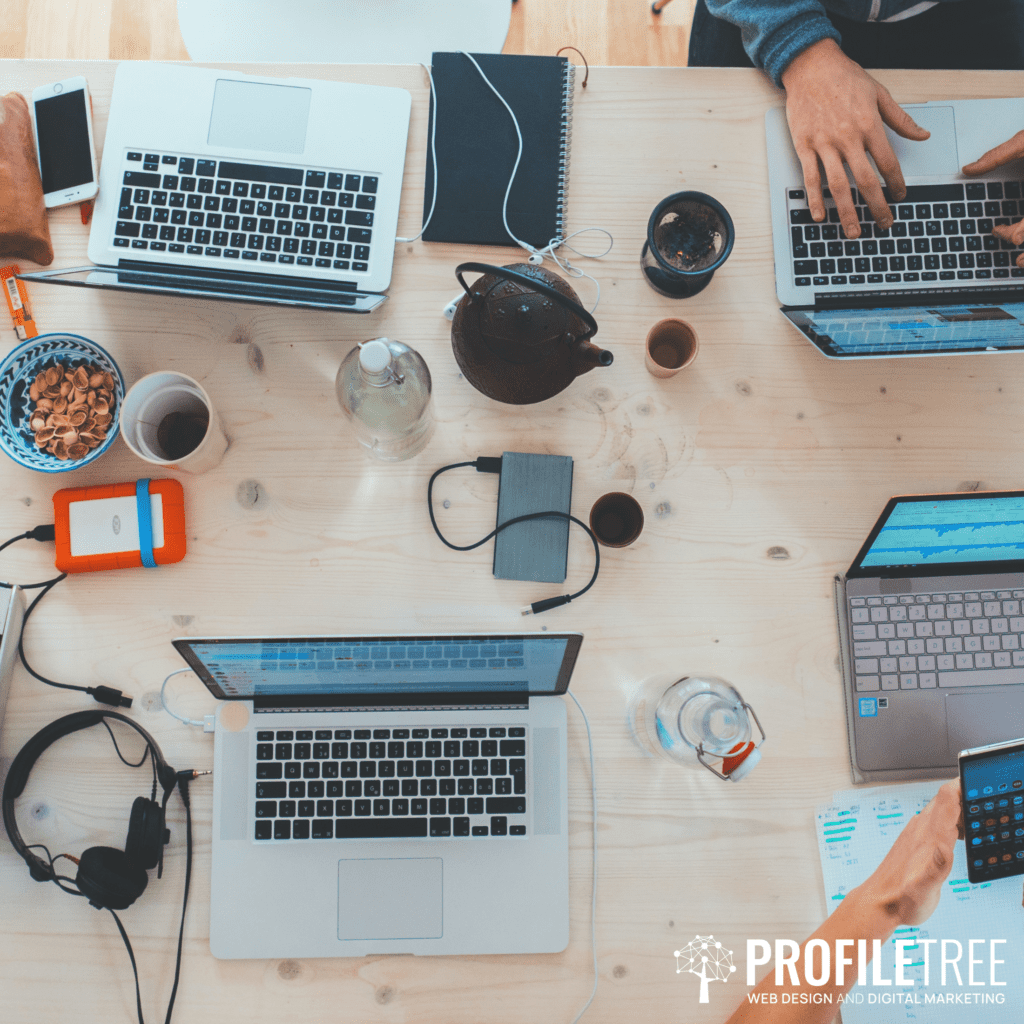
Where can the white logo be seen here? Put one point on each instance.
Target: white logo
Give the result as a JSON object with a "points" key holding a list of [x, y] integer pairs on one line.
{"points": [[708, 959], [116, 524]]}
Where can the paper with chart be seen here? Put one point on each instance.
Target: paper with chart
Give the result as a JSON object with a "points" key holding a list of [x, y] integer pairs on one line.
{"points": [[855, 831]]}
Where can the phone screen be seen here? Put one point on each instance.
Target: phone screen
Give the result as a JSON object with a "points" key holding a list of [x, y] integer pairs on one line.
{"points": [[993, 795], [63, 132]]}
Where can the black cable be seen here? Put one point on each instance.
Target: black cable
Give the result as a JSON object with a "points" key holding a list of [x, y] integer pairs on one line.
{"points": [[183, 781], [135, 969], [56, 879], [101, 694], [493, 465]]}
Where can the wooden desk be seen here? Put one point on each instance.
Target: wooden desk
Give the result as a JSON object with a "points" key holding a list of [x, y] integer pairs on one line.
{"points": [[759, 469]]}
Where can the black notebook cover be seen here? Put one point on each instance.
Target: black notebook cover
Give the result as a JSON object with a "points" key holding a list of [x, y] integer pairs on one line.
{"points": [[476, 148]]}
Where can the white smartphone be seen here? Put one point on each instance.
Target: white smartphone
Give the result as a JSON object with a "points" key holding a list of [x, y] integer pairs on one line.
{"points": [[64, 142]]}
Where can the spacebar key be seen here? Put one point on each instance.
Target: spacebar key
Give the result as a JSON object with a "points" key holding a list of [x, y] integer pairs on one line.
{"points": [[983, 677], [379, 828]]}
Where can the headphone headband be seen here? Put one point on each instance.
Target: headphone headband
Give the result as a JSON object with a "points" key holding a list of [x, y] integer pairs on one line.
{"points": [[21, 767]]}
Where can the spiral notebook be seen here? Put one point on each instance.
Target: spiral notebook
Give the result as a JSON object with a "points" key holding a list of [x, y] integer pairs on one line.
{"points": [[476, 148]]}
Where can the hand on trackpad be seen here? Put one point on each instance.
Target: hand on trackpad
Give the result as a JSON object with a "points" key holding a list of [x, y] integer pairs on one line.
{"points": [[935, 156], [390, 898]]}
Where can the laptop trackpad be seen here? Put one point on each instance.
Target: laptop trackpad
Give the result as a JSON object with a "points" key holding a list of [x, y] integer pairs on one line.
{"points": [[936, 155], [392, 898], [975, 719]]}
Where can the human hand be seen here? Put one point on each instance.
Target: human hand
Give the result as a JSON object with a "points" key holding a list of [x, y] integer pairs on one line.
{"points": [[1013, 149], [906, 886], [835, 111]]}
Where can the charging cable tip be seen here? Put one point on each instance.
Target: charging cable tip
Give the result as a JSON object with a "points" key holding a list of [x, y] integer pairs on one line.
{"points": [[108, 695], [528, 610]]}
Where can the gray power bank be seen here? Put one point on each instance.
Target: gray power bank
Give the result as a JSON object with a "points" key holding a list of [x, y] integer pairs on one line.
{"points": [[537, 550]]}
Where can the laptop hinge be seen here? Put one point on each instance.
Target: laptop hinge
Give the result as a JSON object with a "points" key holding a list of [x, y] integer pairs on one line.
{"points": [[395, 707], [391, 702], [916, 297], [234, 276]]}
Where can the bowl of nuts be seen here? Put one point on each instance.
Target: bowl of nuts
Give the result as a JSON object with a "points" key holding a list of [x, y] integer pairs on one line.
{"points": [[60, 399]]}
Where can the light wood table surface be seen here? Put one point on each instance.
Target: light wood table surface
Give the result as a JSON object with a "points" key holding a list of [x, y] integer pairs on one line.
{"points": [[759, 469]]}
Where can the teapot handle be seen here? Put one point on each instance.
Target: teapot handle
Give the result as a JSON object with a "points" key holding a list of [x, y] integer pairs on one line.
{"points": [[537, 286]]}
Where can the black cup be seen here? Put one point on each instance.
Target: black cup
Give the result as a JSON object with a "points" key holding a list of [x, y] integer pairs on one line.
{"points": [[689, 236], [616, 519]]}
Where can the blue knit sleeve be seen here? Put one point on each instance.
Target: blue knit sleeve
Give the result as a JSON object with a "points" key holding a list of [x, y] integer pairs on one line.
{"points": [[775, 31]]}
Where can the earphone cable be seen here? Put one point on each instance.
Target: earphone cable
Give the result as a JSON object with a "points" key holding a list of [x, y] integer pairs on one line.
{"points": [[135, 969], [433, 157], [593, 887], [554, 243]]}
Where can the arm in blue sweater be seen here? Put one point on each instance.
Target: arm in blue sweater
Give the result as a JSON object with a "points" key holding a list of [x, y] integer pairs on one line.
{"points": [[775, 31]]}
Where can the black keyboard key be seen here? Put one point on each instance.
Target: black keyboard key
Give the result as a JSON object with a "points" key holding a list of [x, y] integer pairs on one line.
{"points": [[296, 790], [499, 826], [264, 829], [438, 805], [270, 790], [428, 787], [381, 808], [517, 730], [805, 267], [127, 229], [419, 734], [343, 808], [419, 806], [282, 829], [506, 805], [358, 219], [268, 770], [266, 808], [335, 181], [800, 217], [265, 735], [440, 827], [512, 748], [315, 179], [400, 807], [345, 201], [460, 826], [205, 186], [365, 202], [311, 770], [353, 787], [369, 183], [995, 190], [484, 787], [258, 172], [1009, 208]]}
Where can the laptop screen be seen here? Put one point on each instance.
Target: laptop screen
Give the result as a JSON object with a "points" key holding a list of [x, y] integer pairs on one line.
{"points": [[913, 330], [938, 534], [388, 668]]}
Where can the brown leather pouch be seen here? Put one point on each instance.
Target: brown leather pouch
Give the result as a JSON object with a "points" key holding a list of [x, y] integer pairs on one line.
{"points": [[24, 231]]}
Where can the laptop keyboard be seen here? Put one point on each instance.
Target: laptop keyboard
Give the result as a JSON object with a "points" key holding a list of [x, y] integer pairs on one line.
{"points": [[246, 213], [390, 783], [940, 233], [924, 641]]}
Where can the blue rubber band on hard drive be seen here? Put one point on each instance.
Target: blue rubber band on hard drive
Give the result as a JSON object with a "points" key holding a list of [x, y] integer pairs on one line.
{"points": [[145, 518]]}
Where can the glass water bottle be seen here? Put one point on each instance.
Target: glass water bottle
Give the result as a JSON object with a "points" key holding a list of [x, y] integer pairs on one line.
{"points": [[383, 388], [700, 720]]}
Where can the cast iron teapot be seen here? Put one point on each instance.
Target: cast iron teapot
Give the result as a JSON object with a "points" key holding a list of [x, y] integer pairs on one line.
{"points": [[520, 334]]}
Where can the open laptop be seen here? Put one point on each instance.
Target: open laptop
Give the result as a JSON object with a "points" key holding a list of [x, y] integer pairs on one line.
{"points": [[216, 184], [931, 622], [388, 794], [937, 282]]}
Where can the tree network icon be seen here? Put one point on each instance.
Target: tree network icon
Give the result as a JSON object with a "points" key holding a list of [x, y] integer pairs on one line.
{"points": [[706, 958]]}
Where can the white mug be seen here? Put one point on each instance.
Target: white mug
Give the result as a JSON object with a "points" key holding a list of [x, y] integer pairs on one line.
{"points": [[154, 399]]}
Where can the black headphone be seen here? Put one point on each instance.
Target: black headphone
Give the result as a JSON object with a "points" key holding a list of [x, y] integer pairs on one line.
{"points": [[109, 878]]}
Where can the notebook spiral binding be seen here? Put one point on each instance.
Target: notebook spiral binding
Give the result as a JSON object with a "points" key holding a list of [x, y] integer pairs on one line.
{"points": [[565, 138]]}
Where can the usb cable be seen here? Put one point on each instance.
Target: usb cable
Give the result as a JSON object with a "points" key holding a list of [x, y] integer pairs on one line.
{"points": [[489, 464]]}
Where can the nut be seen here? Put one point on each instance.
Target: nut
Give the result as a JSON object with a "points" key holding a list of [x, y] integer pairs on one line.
{"points": [[72, 409]]}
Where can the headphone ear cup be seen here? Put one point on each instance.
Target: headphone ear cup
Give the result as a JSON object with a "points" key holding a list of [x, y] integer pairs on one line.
{"points": [[108, 879], [145, 833]]}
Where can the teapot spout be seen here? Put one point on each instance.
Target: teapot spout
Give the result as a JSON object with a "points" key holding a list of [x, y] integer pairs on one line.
{"points": [[588, 355]]}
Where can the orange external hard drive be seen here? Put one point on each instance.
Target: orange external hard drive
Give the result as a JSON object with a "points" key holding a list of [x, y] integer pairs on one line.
{"points": [[119, 526]]}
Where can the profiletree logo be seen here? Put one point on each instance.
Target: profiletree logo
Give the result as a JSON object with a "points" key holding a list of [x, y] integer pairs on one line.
{"points": [[708, 959]]}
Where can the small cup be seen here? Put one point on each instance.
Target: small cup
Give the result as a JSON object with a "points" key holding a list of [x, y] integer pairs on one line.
{"points": [[689, 236], [671, 345], [168, 420], [616, 519]]}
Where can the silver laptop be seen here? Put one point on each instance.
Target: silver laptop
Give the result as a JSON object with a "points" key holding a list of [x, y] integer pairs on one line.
{"points": [[217, 184], [937, 282], [388, 794], [931, 620], [12, 612]]}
